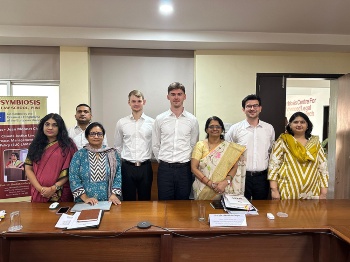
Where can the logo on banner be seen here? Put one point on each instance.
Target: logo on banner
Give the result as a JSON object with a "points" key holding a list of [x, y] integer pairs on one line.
{"points": [[2, 117]]}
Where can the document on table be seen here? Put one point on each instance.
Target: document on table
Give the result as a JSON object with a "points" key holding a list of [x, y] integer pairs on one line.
{"points": [[227, 220], [237, 202], [70, 222]]}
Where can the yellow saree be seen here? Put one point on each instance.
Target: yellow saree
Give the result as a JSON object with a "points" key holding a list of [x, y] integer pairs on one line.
{"points": [[215, 165]]}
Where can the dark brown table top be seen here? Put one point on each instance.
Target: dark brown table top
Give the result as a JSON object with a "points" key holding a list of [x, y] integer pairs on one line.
{"points": [[181, 216]]}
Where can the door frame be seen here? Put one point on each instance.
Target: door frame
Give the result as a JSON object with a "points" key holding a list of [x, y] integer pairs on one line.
{"points": [[279, 93]]}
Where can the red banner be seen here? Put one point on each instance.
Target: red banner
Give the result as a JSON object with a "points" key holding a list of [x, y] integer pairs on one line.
{"points": [[19, 117]]}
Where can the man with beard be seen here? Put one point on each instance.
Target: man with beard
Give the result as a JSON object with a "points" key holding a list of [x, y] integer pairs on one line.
{"points": [[77, 133], [133, 141], [175, 133], [258, 137]]}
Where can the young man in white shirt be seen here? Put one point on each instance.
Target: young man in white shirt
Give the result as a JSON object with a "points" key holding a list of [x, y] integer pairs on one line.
{"points": [[258, 136], [77, 133], [175, 133], [133, 141]]}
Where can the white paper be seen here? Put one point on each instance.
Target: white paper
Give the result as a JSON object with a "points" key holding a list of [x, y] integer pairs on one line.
{"points": [[227, 220], [243, 212], [237, 201], [70, 221], [75, 224], [64, 221]]}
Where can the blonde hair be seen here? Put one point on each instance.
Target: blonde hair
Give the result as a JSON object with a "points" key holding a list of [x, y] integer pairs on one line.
{"points": [[136, 93]]}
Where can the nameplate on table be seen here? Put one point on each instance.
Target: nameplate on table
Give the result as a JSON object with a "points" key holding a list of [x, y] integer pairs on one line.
{"points": [[227, 220]]}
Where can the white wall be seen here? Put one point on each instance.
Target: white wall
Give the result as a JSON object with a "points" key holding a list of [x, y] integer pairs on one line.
{"points": [[74, 81], [114, 75], [224, 78]]}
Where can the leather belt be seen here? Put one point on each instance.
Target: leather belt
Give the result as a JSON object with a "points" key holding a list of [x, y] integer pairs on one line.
{"points": [[176, 164], [136, 163], [256, 173]]}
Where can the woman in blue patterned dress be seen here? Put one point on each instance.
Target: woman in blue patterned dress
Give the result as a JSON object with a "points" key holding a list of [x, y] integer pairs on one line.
{"points": [[94, 172]]}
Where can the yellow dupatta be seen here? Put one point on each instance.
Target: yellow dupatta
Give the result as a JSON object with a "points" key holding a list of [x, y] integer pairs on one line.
{"points": [[228, 154], [299, 151]]}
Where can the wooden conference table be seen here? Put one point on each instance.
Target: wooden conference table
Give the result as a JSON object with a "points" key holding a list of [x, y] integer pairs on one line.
{"points": [[314, 231]]}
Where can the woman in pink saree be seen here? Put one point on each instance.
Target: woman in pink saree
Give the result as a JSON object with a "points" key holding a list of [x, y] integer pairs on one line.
{"points": [[48, 160]]}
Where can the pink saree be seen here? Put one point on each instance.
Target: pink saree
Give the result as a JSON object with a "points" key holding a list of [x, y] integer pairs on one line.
{"points": [[52, 167]]}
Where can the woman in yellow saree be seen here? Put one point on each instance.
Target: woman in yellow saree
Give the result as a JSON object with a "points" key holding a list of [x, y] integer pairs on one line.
{"points": [[298, 165], [214, 163]]}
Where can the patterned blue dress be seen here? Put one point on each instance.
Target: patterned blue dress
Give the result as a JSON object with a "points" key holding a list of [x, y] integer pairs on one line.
{"points": [[89, 173]]}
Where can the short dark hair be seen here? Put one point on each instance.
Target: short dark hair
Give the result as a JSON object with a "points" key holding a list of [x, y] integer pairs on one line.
{"points": [[91, 126], [176, 85], [250, 97], [15, 154], [76, 109], [306, 118], [220, 123]]}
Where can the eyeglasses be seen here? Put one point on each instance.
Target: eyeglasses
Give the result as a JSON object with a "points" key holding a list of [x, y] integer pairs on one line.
{"points": [[214, 127], [252, 106], [99, 134]]}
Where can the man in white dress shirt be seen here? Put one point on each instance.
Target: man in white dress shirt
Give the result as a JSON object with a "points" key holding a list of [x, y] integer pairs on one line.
{"points": [[133, 141], [77, 133], [175, 133], [258, 136]]}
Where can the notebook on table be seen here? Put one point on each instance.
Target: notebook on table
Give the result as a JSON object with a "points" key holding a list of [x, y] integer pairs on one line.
{"points": [[89, 215]]}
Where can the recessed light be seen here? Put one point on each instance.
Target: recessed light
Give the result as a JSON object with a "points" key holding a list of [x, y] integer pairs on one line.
{"points": [[166, 8]]}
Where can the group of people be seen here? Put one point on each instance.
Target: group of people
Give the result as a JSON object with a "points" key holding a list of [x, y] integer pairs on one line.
{"points": [[63, 165], [293, 167], [58, 171]]}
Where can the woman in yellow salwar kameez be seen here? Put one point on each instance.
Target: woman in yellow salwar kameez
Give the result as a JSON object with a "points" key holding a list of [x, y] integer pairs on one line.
{"points": [[298, 165], [214, 163]]}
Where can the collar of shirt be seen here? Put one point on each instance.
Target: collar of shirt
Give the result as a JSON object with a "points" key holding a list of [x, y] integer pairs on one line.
{"points": [[184, 113], [246, 124], [133, 118], [76, 127]]}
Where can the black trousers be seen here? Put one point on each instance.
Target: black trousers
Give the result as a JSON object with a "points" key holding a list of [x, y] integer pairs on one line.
{"points": [[257, 187], [137, 181], [174, 181]]}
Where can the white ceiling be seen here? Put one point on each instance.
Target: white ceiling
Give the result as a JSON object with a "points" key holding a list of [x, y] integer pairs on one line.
{"points": [[285, 25]]}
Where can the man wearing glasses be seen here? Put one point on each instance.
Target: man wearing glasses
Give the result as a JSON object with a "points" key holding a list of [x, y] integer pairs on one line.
{"points": [[77, 133], [258, 137]]}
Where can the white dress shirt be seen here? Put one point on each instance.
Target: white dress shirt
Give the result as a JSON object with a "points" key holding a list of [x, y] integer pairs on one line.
{"points": [[78, 136], [173, 138], [133, 139], [258, 140]]}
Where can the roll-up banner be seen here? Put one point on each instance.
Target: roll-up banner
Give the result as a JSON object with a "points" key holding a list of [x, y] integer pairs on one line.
{"points": [[19, 118]]}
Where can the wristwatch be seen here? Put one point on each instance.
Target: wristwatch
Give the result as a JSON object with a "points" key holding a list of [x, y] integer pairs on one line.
{"points": [[228, 181], [58, 187]]}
